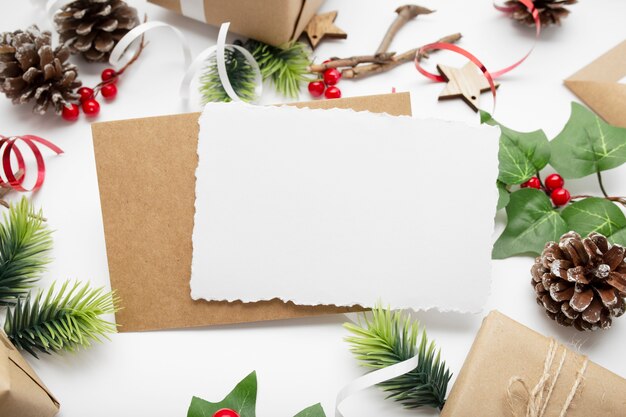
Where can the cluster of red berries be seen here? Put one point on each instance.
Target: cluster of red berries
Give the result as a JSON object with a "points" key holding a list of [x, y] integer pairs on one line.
{"points": [[88, 102], [553, 186], [327, 87]]}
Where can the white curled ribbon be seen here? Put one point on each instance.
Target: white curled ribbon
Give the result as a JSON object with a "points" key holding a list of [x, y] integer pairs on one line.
{"points": [[133, 38], [219, 50]]}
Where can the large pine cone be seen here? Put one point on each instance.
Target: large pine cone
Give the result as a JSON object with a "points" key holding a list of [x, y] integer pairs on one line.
{"points": [[581, 282], [550, 11], [31, 70], [93, 27]]}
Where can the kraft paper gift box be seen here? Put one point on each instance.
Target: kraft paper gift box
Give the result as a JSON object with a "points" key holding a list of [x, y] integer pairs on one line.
{"points": [[507, 355], [22, 394], [271, 21]]}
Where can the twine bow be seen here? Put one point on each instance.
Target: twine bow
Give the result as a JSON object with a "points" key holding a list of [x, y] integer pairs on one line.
{"points": [[539, 396]]}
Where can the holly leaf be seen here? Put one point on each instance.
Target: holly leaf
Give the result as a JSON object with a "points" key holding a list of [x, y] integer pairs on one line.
{"points": [[532, 221], [619, 237], [312, 411], [595, 215], [242, 399], [587, 145], [521, 154], [504, 195]]}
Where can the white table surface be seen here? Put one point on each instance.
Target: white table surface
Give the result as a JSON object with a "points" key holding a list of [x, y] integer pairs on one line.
{"points": [[305, 361]]}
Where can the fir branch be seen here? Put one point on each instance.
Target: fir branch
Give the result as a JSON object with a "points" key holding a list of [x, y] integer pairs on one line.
{"points": [[389, 338], [286, 66], [24, 245], [65, 320], [240, 74]]}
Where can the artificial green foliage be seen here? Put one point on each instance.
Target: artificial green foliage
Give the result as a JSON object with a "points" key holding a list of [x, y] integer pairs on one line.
{"points": [[286, 66], [521, 154], [241, 399], [595, 215], [240, 74], [532, 221], [587, 145], [25, 242], [63, 320], [388, 338]]}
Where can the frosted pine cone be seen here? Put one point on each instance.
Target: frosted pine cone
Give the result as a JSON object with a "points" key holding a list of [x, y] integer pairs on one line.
{"points": [[581, 282]]}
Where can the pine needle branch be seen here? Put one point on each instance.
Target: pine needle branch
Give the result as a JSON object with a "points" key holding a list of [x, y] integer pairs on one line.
{"points": [[286, 66], [240, 74], [391, 337], [64, 320], [24, 245]]}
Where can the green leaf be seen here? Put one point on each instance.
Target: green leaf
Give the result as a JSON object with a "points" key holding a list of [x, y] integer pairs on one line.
{"points": [[594, 215], [532, 221], [521, 154], [619, 237], [242, 399], [312, 411], [587, 145], [504, 195]]}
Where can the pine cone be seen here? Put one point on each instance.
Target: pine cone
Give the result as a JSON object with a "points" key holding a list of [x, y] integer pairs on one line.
{"points": [[550, 11], [581, 282], [31, 69], [93, 27]]}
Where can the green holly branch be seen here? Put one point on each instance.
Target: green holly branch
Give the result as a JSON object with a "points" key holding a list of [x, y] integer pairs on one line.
{"points": [[586, 146]]}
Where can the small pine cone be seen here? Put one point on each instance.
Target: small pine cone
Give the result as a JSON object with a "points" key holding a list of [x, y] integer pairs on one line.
{"points": [[93, 27], [31, 70], [550, 11], [581, 282]]}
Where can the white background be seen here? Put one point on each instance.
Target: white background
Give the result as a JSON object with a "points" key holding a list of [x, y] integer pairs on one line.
{"points": [[306, 361]]}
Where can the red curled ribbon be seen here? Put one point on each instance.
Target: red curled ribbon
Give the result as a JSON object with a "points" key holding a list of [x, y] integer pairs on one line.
{"points": [[490, 76], [10, 147]]}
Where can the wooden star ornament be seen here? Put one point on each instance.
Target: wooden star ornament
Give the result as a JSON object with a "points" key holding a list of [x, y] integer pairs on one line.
{"points": [[323, 26], [466, 82]]}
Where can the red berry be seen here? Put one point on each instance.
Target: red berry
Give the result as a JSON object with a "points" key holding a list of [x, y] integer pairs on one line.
{"points": [[85, 93], [560, 197], [316, 88], [109, 74], [532, 183], [333, 92], [332, 76], [554, 181], [91, 107], [109, 91], [70, 112], [226, 412]]}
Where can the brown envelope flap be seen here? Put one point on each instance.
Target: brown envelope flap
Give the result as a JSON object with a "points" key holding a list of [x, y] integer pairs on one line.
{"points": [[605, 98], [610, 67], [308, 10], [18, 360]]}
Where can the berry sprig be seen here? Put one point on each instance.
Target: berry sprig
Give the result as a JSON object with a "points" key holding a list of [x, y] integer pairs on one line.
{"points": [[107, 87], [552, 186], [327, 86]]}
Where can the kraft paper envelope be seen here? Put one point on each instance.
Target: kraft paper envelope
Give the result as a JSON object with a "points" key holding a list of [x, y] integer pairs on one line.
{"points": [[148, 228], [598, 85]]}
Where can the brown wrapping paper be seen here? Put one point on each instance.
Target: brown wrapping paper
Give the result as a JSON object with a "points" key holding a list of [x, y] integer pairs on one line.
{"points": [[22, 394], [503, 349], [598, 85], [271, 21], [146, 173]]}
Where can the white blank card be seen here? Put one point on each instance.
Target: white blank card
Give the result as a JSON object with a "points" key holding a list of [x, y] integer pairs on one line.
{"points": [[342, 207]]}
